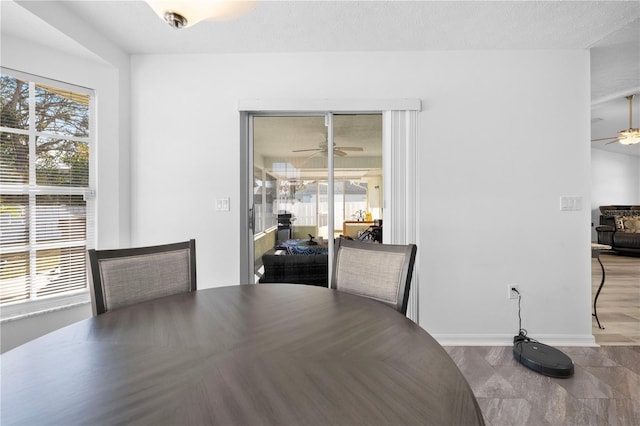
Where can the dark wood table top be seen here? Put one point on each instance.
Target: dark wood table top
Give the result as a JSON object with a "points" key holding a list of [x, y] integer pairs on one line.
{"points": [[243, 355]]}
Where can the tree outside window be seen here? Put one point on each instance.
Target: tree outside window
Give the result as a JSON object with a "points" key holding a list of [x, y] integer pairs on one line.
{"points": [[44, 186]]}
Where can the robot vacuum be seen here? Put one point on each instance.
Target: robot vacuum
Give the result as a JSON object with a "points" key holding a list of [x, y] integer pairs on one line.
{"points": [[542, 358]]}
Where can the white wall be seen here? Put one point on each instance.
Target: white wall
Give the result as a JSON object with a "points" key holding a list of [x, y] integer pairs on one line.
{"points": [[110, 85], [615, 179], [501, 138]]}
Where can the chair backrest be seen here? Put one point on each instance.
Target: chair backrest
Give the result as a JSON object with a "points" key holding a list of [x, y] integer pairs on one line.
{"points": [[124, 277], [378, 271]]}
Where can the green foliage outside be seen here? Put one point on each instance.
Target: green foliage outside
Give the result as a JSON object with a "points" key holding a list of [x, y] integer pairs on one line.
{"points": [[59, 114]]}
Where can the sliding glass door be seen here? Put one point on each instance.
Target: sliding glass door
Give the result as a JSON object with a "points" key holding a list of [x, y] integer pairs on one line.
{"points": [[316, 177]]}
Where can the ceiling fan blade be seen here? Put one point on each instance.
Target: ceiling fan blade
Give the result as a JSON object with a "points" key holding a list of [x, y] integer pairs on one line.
{"points": [[614, 141], [606, 139], [339, 153], [349, 148], [306, 150]]}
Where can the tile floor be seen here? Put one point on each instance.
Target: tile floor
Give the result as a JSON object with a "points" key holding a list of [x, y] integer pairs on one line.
{"points": [[604, 390]]}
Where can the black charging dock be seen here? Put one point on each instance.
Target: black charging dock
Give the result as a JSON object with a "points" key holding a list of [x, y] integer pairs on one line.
{"points": [[541, 358]]}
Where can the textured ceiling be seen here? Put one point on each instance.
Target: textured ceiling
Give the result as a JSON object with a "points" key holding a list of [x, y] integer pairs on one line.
{"points": [[611, 29], [286, 26], [615, 62]]}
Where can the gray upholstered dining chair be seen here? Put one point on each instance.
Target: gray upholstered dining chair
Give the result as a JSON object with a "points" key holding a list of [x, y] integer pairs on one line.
{"points": [[378, 271], [123, 277]]}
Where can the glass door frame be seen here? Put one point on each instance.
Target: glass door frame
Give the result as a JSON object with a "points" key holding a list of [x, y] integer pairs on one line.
{"points": [[400, 171]]}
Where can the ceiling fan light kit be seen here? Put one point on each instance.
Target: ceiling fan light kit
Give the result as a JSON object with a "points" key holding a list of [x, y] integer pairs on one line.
{"points": [[183, 14], [629, 136]]}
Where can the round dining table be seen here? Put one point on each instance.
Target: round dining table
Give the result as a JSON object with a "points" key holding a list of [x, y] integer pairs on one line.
{"points": [[266, 354]]}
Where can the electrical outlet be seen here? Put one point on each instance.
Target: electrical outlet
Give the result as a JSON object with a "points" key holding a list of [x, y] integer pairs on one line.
{"points": [[513, 291]]}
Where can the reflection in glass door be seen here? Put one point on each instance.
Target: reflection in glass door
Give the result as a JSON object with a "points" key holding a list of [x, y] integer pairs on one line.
{"points": [[291, 177]]}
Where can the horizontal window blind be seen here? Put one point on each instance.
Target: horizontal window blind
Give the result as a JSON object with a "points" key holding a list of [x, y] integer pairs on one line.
{"points": [[46, 195]]}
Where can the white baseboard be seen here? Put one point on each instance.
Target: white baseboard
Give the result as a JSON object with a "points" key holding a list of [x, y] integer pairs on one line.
{"points": [[507, 339]]}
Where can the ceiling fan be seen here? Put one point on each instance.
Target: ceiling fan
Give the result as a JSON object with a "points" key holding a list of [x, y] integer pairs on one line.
{"points": [[323, 148], [628, 136]]}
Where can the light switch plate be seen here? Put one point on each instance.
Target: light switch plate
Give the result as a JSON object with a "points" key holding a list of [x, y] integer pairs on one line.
{"points": [[222, 204], [570, 203]]}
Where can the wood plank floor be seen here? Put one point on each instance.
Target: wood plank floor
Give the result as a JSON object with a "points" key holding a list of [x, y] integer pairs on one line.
{"points": [[605, 388], [619, 302]]}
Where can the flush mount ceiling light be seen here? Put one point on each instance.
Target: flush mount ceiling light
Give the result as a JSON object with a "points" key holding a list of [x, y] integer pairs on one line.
{"points": [[630, 136], [183, 14]]}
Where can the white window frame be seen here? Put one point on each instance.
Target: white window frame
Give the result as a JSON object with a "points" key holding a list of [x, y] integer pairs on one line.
{"points": [[28, 308]]}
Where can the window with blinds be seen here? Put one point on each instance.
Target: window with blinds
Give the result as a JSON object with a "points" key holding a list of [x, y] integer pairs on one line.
{"points": [[46, 200]]}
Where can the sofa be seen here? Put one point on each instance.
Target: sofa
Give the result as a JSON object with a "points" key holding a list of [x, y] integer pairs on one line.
{"points": [[619, 228]]}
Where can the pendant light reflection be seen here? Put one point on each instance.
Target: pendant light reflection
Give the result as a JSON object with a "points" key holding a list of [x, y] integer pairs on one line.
{"points": [[183, 14]]}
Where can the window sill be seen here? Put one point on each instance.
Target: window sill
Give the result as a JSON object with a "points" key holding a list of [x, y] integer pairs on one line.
{"points": [[38, 307]]}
